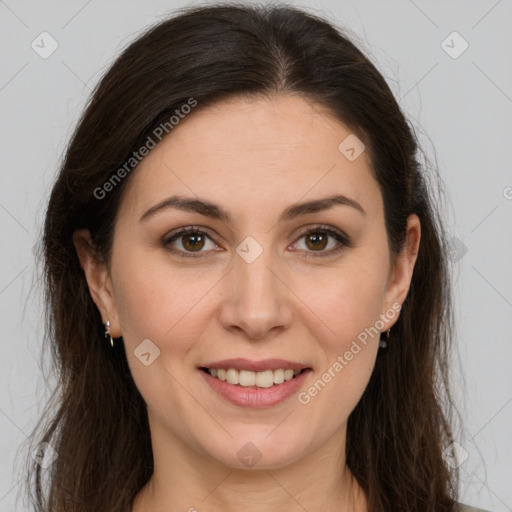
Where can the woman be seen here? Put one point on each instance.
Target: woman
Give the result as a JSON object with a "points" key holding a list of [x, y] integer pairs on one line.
{"points": [[248, 292]]}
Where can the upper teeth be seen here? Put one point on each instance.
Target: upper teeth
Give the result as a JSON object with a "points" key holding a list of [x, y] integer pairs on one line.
{"points": [[264, 379]]}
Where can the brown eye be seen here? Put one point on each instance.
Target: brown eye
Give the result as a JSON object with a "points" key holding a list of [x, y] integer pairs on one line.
{"points": [[193, 242], [316, 241], [322, 241], [188, 241]]}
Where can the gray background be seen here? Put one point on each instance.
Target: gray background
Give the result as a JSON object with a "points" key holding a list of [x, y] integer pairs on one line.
{"points": [[461, 106]]}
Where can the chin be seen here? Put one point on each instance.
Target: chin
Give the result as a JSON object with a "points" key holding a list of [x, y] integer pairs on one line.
{"points": [[257, 452]]}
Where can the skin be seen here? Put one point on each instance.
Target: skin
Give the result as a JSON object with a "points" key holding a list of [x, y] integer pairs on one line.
{"points": [[254, 158]]}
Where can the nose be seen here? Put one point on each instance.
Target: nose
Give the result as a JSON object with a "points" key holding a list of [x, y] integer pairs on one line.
{"points": [[257, 299]]}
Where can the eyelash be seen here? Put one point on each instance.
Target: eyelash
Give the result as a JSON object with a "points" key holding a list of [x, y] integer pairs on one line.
{"points": [[343, 240]]}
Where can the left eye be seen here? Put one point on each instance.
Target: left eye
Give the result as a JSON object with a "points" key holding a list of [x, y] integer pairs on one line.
{"points": [[317, 240]]}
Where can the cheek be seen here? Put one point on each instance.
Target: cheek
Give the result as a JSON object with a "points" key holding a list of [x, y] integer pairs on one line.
{"points": [[350, 308], [349, 302], [348, 299], [163, 306], [161, 302]]}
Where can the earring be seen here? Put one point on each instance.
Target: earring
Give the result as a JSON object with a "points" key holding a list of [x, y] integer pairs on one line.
{"points": [[107, 333], [384, 343]]}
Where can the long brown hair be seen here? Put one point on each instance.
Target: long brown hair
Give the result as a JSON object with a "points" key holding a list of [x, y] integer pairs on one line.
{"points": [[96, 420]]}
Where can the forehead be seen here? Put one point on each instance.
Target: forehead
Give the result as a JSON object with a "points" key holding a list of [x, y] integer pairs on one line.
{"points": [[259, 152]]}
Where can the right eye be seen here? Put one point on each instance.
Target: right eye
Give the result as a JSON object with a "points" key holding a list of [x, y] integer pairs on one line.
{"points": [[193, 240]]}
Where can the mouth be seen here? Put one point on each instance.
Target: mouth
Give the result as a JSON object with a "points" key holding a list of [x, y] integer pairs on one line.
{"points": [[250, 379], [254, 384]]}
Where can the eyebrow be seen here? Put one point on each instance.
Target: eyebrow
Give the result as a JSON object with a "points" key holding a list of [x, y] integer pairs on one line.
{"points": [[208, 209]]}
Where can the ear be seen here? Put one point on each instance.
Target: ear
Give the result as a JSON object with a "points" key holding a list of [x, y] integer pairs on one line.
{"points": [[400, 275], [98, 280]]}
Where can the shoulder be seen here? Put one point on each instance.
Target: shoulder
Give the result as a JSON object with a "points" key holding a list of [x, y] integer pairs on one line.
{"points": [[467, 508]]}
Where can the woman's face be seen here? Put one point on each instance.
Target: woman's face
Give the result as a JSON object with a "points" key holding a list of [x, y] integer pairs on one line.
{"points": [[250, 284]]}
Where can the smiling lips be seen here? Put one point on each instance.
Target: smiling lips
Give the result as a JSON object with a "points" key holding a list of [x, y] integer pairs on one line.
{"points": [[255, 383], [263, 393]]}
